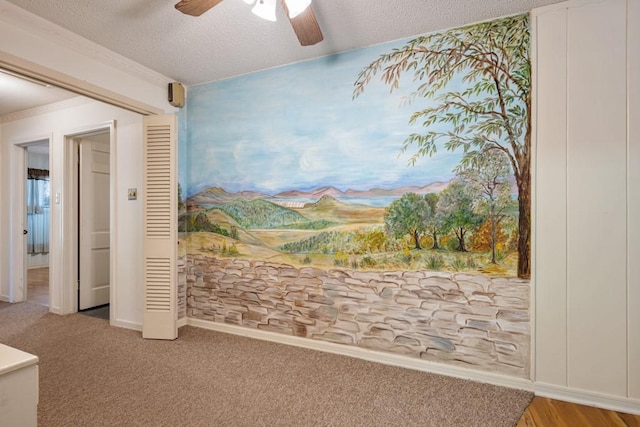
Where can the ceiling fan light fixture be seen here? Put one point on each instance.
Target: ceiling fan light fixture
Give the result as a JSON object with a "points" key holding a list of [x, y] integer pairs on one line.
{"points": [[296, 7], [265, 9]]}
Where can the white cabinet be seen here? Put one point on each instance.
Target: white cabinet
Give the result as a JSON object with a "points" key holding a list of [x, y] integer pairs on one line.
{"points": [[18, 388]]}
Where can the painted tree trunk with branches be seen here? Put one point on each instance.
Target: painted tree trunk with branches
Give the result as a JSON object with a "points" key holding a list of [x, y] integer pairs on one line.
{"points": [[480, 80]]}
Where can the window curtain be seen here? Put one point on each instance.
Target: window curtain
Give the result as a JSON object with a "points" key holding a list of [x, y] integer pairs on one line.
{"points": [[38, 211]]}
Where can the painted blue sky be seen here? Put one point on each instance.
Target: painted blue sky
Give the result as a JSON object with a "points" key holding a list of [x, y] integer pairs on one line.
{"points": [[297, 127]]}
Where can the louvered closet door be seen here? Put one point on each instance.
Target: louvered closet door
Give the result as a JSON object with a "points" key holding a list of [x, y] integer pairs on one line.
{"points": [[160, 228]]}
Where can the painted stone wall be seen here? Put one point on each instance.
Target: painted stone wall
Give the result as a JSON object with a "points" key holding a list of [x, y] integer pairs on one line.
{"points": [[182, 286], [470, 320]]}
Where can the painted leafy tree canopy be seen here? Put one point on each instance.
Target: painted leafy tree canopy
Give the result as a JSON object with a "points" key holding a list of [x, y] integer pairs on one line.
{"points": [[487, 117]]}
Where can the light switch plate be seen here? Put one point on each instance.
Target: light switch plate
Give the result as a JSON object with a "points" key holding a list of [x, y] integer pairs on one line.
{"points": [[133, 193]]}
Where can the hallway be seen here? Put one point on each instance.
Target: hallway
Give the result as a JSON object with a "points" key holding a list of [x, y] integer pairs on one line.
{"points": [[38, 285]]}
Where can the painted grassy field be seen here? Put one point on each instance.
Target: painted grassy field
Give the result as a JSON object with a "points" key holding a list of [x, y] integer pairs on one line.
{"points": [[335, 235]]}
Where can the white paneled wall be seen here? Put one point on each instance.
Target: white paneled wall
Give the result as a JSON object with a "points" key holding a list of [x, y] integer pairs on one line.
{"points": [[550, 211], [596, 198], [633, 257], [586, 275]]}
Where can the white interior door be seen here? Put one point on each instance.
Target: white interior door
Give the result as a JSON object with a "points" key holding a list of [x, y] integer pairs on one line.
{"points": [[94, 224]]}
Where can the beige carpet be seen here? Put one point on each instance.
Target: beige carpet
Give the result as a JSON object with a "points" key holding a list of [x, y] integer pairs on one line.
{"points": [[92, 374]]}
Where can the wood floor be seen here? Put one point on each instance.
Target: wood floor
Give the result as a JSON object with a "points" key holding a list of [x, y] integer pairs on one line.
{"points": [[38, 285], [543, 412]]}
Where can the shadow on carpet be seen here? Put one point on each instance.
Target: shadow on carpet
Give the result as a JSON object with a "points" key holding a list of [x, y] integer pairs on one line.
{"points": [[101, 312]]}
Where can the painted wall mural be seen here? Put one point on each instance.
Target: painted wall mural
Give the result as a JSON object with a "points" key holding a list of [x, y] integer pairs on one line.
{"points": [[377, 198]]}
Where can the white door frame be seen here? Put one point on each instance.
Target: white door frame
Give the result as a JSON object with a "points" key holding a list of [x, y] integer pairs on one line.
{"points": [[18, 219], [68, 232]]}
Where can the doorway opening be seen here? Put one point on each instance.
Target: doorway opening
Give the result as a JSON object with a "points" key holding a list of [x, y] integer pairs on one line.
{"points": [[59, 283], [38, 221], [125, 302]]}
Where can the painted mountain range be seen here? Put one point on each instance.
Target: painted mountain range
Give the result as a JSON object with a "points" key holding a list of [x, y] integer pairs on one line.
{"points": [[217, 195]]}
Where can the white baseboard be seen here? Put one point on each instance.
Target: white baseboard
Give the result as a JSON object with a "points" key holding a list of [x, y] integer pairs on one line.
{"points": [[126, 324], [370, 355], [55, 310], [138, 326], [589, 398], [4, 298]]}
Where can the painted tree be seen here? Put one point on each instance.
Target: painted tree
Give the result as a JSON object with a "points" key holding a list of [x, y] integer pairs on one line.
{"points": [[483, 237], [407, 215], [488, 175], [489, 110], [433, 223], [180, 201], [455, 209]]}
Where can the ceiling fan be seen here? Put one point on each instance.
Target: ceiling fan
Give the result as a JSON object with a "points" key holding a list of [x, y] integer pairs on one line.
{"points": [[300, 14]]}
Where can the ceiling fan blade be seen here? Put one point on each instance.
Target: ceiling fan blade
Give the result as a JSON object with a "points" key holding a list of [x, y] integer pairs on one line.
{"points": [[196, 7], [305, 26]]}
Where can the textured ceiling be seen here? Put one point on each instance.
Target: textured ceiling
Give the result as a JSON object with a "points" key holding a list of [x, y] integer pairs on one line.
{"points": [[229, 40]]}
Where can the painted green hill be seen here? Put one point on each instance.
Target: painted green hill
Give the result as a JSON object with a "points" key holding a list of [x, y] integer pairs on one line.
{"points": [[261, 214]]}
